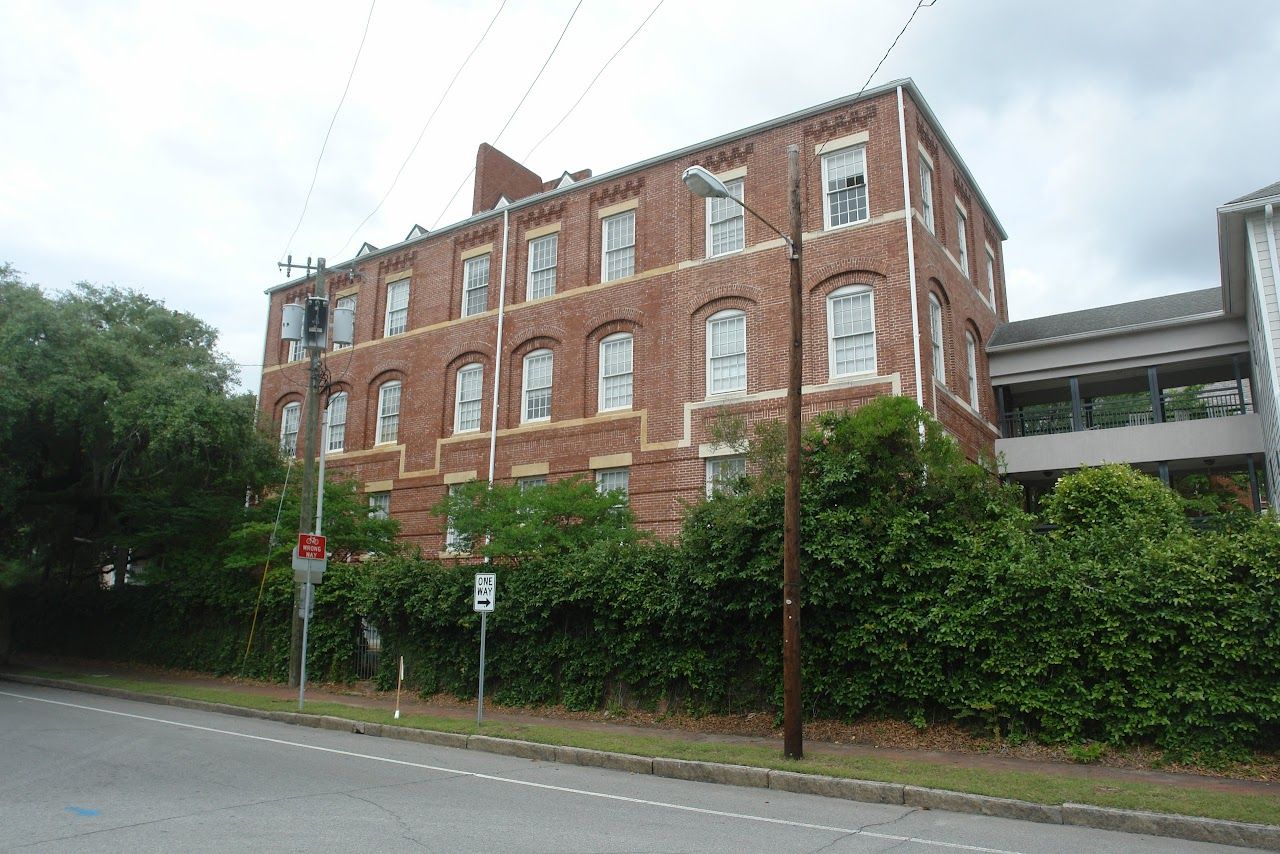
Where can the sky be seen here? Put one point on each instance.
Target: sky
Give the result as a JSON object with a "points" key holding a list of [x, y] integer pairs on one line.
{"points": [[169, 147]]}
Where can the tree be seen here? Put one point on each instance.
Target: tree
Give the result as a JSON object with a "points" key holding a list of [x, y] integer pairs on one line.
{"points": [[508, 524], [121, 428]]}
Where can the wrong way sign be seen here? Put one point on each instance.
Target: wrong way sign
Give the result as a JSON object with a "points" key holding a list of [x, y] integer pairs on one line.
{"points": [[485, 592], [311, 546]]}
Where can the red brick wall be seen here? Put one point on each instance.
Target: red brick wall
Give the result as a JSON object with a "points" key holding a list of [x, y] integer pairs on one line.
{"points": [[665, 306]]}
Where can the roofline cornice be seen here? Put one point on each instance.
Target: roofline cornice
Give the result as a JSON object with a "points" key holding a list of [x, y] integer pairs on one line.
{"points": [[1108, 333], [539, 198]]}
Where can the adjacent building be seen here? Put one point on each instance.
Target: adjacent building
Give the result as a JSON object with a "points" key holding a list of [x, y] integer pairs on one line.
{"points": [[611, 325], [1175, 385]]}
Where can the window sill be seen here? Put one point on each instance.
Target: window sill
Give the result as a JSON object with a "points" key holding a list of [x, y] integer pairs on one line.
{"points": [[828, 227], [852, 375], [524, 421], [728, 254]]}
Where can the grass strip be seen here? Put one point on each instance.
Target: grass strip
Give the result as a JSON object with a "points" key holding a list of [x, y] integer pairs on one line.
{"points": [[1020, 785]]}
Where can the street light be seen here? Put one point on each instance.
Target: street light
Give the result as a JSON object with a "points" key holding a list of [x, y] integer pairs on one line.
{"points": [[702, 183]]}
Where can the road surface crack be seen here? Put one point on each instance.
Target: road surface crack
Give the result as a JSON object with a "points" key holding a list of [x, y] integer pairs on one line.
{"points": [[864, 828], [406, 833]]}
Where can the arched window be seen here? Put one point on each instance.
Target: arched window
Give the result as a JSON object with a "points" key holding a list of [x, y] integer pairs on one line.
{"points": [[935, 333], [466, 410], [726, 352], [388, 413], [971, 358], [337, 422], [537, 386], [851, 331], [289, 418], [616, 372]]}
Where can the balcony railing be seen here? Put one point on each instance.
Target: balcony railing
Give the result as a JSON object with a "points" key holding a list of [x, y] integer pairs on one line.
{"points": [[1123, 411]]}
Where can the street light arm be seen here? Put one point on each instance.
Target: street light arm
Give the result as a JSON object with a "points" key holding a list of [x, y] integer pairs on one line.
{"points": [[790, 243]]}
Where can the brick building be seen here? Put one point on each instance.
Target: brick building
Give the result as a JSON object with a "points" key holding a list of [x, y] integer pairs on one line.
{"points": [[619, 315]]}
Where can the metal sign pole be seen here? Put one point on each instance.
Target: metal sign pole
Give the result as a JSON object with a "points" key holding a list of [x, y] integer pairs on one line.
{"points": [[480, 705], [306, 623]]}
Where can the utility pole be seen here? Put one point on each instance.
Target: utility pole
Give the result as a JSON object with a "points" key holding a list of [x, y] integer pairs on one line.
{"points": [[792, 720], [708, 186], [311, 436]]}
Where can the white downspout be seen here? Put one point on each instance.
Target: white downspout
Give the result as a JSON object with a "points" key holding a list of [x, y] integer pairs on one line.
{"points": [[911, 253], [1269, 214], [497, 352]]}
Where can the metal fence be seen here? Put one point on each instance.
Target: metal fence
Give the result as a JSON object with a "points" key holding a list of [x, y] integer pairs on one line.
{"points": [[1132, 410], [368, 651]]}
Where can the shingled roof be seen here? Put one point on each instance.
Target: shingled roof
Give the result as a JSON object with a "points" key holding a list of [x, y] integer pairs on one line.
{"points": [[1265, 192], [1107, 318]]}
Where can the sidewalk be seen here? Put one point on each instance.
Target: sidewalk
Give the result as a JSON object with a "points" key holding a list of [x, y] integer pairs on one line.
{"points": [[410, 704]]}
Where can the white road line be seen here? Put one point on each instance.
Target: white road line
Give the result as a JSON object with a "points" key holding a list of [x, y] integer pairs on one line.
{"points": [[955, 846]]}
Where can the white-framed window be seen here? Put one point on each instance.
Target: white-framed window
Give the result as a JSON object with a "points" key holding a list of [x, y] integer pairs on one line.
{"points": [[614, 480], [723, 473], [475, 285], [537, 386], [337, 422], [615, 372], [844, 184], [726, 352], [926, 194], [470, 386], [290, 416], [725, 222], [379, 505], [397, 307], [296, 350], [971, 358], [543, 254], [962, 236], [388, 413], [346, 302], [619, 240], [532, 482], [851, 331], [454, 541], [935, 333], [991, 278]]}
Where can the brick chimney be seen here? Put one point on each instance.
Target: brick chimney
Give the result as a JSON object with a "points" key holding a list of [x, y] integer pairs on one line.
{"points": [[497, 175]]}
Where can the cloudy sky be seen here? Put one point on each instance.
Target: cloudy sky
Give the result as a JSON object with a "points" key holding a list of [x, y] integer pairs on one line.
{"points": [[168, 147]]}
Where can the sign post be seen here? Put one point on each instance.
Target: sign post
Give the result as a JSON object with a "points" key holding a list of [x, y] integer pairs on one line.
{"points": [[309, 562], [483, 600]]}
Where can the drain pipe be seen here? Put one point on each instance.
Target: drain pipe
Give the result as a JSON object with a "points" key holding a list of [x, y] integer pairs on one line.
{"points": [[1269, 215], [911, 254], [497, 352]]}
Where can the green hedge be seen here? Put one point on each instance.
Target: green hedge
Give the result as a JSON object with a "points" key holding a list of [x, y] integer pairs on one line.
{"points": [[927, 596], [198, 623]]}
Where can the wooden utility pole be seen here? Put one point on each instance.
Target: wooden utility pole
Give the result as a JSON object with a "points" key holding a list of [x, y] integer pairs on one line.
{"points": [[792, 719], [311, 439]]}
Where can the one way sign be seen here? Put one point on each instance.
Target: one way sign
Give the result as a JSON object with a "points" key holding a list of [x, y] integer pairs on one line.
{"points": [[486, 592]]}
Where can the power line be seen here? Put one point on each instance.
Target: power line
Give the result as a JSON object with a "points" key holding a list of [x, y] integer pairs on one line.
{"points": [[569, 112], [423, 132], [920, 4], [325, 144], [511, 117]]}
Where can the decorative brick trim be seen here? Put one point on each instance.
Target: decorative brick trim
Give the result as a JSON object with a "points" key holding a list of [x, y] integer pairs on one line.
{"points": [[477, 236], [617, 192], [840, 124], [727, 158]]}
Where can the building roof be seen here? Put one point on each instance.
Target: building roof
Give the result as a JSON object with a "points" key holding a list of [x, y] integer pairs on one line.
{"points": [[874, 92], [1265, 192], [1108, 318]]}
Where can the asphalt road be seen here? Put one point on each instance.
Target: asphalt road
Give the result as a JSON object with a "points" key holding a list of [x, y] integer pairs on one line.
{"points": [[80, 772]]}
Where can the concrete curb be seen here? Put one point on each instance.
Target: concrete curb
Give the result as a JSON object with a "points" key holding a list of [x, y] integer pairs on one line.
{"points": [[1264, 836]]}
